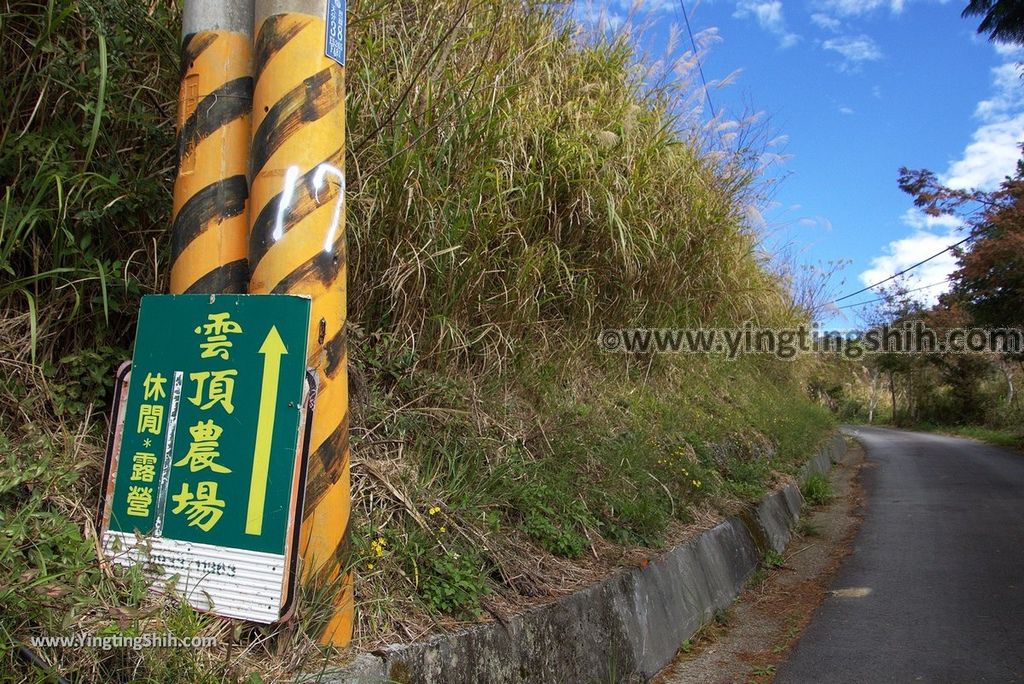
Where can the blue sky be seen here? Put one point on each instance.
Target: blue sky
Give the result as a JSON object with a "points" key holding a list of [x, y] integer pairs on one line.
{"points": [[857, 88]]}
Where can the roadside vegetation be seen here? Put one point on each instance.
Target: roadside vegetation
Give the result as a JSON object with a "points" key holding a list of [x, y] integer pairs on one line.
{"points": [[817, 490], [515, 185], [1000, 437]]}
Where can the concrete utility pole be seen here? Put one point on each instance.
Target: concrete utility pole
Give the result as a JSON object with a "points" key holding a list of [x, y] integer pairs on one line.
{"points": [[211, 191], [297, 246]]}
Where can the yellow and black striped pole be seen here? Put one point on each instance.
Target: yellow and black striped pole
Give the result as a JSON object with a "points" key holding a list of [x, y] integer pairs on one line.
{"points": [[297, 246], [211, 191]]}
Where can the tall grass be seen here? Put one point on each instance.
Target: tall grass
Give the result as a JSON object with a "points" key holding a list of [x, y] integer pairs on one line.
{"points": [[509, 171], [86, 152], [505, 171]]}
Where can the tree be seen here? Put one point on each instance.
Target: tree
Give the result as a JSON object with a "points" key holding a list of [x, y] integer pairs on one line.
{"points": [[960, 376], [1002, 20], [989, 281], [986, 290], [896, 308]]}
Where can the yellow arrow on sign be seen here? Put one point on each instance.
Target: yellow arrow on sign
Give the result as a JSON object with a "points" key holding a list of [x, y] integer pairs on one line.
{"points": [[272, 349]]}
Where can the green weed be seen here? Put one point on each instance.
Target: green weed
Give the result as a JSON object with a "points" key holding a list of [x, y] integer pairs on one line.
{"points": [[817, 490], [556, 527], [454, 583], [1006, 437], [773, 560]]}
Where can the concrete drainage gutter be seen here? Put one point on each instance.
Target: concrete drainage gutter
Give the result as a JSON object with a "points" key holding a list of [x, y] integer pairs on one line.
{"points": [[625, 628]]}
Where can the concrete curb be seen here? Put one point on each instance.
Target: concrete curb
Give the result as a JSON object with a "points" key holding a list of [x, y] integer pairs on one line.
{"points": [[624, 628]]}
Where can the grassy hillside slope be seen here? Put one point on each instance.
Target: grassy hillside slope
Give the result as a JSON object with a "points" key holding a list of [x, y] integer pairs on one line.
{"points": [[514, 187]]}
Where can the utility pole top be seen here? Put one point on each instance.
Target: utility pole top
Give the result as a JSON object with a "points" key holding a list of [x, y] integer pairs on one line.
{"points": [[217, 15]]}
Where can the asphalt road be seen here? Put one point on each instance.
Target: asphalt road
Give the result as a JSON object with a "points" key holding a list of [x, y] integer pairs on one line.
{"points": [[934, 588]]}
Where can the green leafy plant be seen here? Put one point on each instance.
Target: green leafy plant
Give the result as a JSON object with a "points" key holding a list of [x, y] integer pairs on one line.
{"points": [[817, 490], [82, 379], [772, 560], [454, 582], [556, 526]]}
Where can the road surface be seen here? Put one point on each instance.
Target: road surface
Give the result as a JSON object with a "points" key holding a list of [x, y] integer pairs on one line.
{"points": [[934, 588]]}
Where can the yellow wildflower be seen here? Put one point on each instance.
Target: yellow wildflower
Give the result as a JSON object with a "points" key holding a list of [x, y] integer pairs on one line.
{"points": [[378, 546]]}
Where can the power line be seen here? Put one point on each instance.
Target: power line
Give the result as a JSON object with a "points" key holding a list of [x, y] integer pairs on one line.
{"points": [[696, 56], [906, 270], [916, 289]]}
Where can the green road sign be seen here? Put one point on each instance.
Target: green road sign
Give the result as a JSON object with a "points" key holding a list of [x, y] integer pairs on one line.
{"points": [[205, 465]]}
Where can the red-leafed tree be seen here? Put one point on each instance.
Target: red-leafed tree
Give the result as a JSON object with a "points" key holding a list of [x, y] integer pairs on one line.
{"points": [[989, 283]]}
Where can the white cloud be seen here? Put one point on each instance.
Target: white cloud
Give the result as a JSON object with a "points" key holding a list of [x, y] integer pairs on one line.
{"points": [[635, 7], [817, 222], [768, 14], [601, 17], [990, 156], [846, 110], [788, 40], [992, 153], [826, 22], [1008, 97], [1007, 49], [920, 221], [851, 8], [854, 50], [905, 252]]}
